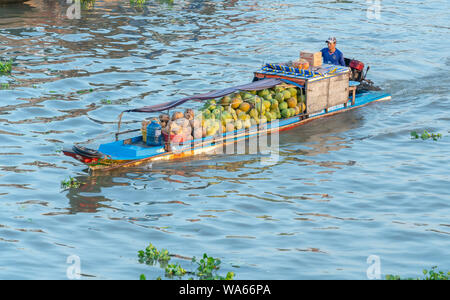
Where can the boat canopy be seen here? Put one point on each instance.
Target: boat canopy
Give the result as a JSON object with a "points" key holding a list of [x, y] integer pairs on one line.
{"points": [[254, 86]]}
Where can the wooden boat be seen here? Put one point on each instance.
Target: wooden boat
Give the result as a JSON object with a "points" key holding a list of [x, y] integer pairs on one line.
{"points": [[326, 95]]}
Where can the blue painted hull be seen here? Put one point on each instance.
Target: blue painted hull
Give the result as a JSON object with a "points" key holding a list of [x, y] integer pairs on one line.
{"points": [[136, 150]]}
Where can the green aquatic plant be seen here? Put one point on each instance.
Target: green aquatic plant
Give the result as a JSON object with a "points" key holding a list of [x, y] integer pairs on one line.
{"points": [[207, 267], [175, 270], [168, 2], [87, 4], [432, 274], [151, 255], [4, 86], [425, 135], [137, 2], [6, 67], [81, 92], [70, 183], [105, 101]]}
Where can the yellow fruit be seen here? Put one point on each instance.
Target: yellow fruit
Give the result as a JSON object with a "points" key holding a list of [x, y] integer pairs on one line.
{"points": [[303, 108], [283, 105], [253, 113], [238, 125], [274, 104], [274, 115], [261, 108], [242, 116], [279, 89], [225, 100], [210, 131], [292, 102], [236, 102], [279, 97], [293, 91], [245, 107], [291, 112]]}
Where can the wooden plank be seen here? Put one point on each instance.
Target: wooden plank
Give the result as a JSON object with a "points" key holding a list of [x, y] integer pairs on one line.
{"points": [[338, 90], [353, 90], [317, 96]]}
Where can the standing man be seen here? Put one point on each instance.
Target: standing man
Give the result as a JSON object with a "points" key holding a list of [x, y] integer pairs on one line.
{"points": [[331, 55]]}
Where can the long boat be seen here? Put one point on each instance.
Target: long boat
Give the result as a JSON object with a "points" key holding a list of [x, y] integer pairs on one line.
{"points": [[327, 93]]}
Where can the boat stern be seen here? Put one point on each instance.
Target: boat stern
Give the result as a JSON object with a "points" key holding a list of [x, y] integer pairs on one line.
{"points": [[82, 154]]}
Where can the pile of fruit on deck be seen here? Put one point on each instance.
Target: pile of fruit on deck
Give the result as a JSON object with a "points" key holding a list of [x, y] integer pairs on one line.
{"points": [[233, 112]]}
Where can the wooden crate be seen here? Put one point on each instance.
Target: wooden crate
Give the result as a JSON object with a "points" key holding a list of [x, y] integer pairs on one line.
{"points": [[314, 58], [325, 93]]}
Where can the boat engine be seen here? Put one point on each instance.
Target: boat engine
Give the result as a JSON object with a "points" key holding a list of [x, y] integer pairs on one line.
{"points": [[356, 69], [357, 74]]}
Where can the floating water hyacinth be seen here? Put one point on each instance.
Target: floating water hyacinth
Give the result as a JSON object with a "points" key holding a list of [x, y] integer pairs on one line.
{"points": [[432, 274], [207, 267], [137, 2], [5, 67], [70, 183], [426, 135]]}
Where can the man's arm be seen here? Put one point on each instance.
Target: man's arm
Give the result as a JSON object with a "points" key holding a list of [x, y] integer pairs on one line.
{"points": [[341, 60]]}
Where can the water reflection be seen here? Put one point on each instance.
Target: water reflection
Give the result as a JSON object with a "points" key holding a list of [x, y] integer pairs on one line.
{"points": [[317, 139], [87, 197]]}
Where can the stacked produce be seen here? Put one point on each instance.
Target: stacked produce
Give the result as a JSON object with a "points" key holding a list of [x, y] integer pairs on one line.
{"points": [[233, 112], [178, 128], [301, 64]]}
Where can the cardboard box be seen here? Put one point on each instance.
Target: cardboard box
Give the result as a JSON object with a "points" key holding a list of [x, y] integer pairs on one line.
{"points": [[314, 58]]}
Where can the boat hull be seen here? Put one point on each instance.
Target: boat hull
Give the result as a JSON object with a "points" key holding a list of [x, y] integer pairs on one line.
{"points": [[126, 153]]}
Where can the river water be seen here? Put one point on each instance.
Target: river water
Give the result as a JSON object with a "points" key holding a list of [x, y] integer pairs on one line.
{"points": [[345, 188]]}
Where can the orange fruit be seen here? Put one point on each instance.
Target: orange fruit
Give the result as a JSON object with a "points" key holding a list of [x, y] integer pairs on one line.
{"points": [[245, 107]]}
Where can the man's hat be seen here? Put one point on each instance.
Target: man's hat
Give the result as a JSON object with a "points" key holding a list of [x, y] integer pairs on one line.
{"points": [[331, 40]]}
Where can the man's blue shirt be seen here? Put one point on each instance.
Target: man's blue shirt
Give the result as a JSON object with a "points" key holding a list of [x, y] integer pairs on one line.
{"points": [[337, 58]]}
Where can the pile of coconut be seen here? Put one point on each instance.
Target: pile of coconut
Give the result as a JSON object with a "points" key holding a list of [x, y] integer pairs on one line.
{"points": [[181, 127]]}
